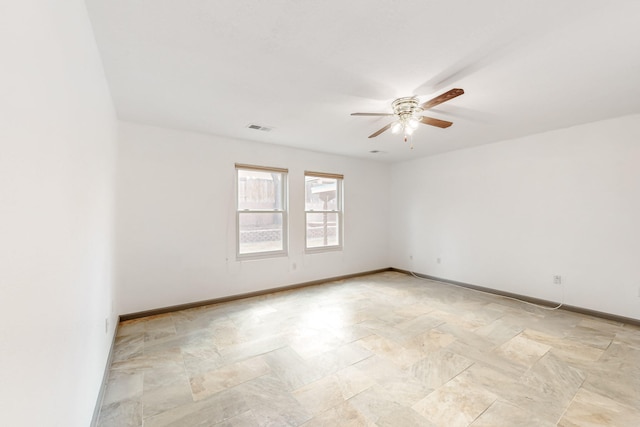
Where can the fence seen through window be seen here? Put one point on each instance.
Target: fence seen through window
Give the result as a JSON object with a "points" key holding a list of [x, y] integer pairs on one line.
{"points": [[261, 211], [323, 210]]}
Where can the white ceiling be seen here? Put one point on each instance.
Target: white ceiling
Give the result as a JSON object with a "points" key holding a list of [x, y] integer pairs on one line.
{"points": [[302, 66]]}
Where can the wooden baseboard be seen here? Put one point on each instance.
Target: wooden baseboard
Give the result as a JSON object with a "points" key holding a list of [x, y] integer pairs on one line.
{"points": [[543, 302], [546, 303], [195, 304], [105, 378]]}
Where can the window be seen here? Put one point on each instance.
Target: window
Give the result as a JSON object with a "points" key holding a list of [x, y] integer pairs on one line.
{"points": [[261, 211], [323, 210]]}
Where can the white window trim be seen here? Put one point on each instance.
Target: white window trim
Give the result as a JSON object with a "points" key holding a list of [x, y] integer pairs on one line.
{"points": [[284, 211], [339, 212]]}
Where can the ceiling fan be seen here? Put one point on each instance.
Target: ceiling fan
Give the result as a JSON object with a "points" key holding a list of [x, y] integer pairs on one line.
{"points": [[408, 113]]}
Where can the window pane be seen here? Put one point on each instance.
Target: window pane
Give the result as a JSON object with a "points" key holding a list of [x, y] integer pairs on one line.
{"points": [[259, 190], [321, 194], [260, 232], [322, 230]]}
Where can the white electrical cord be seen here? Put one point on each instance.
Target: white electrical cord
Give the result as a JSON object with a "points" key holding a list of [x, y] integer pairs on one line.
{"points": [[502, 296]]}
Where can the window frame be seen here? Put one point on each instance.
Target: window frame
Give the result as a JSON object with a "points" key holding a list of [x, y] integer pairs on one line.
{"points": [[283, 211], [339, 211]]}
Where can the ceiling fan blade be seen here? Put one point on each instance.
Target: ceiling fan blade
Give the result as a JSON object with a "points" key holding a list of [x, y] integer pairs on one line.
{"points": [[442, 98], [435, 122], [371, 114], [373, 135]]}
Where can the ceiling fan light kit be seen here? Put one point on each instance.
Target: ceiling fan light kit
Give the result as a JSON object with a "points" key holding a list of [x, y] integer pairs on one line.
{"points": [[408, 112]]}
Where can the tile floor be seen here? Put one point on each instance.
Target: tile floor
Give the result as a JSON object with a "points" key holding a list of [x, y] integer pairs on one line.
{"points": [[381, 350]]}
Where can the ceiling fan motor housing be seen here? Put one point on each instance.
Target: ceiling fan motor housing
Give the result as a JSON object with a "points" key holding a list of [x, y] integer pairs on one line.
{"points": [[407, 107]]}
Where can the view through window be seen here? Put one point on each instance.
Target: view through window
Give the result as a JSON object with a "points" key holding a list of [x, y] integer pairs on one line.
{"points": [[261, 211], [323, 210]]}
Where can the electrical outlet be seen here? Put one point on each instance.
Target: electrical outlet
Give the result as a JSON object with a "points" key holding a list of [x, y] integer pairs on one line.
{"points": [[411, 257], [294, 266], [557, 280], [438, 260]]}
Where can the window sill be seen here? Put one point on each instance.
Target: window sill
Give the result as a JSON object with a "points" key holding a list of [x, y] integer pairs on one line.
{"points": [[261, 255], [323, 249]]}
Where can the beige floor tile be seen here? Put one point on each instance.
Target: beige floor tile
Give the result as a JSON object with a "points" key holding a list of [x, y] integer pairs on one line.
{"points": [[352, 381], [497, 382], [346, 355], [350, 333], [630, 336], [522, 350], [374, 403], [487, 358], [246, 419], [551, 383], [504, 414], [415, 309], [226, 377], [406, 390], [457, 403], [162, 399], [201, 359], [271, 403], [464, 321], [217, 408], [429, 341], [225, 334], [390, 350], [274, 415], [590, 409], [160, 333], [499, 331], [405, 417], [128, 346], [168, 358], [400, 384], [342, 415], [122, 386], [315, 344], [178, 342], [597, 338], [290, 368], [380, 350], [320, 395], [248, 349], [127, 413], [165, 387], [439, 367], [622, 354], [620, 386], [565, 349], [130, 327], [464, 336]]}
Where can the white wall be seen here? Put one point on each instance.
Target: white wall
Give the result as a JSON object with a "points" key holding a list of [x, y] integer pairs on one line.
{"points": [[510, 215], [176, 218], [57, 162]]}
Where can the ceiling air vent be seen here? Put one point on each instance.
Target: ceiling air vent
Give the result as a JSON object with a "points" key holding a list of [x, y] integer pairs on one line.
{"points": [[258, 127]]}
